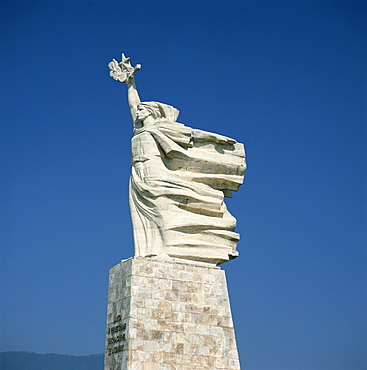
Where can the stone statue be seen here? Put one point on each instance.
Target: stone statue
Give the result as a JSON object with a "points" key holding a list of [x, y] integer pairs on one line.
{"points": [[179, 179]]}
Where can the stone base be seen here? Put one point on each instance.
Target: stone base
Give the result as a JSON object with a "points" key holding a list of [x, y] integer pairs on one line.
{"points": [[168, 315]]}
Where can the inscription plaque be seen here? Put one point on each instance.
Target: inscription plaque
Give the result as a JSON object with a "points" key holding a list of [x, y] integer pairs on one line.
{"points": [[115, 336]]}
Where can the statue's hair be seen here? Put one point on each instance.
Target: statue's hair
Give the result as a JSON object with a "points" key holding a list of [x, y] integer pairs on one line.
{"points": [[161, 110], [154, 109]]}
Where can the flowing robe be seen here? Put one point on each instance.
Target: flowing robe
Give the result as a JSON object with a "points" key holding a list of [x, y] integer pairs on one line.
{"points": [[177, 189]]}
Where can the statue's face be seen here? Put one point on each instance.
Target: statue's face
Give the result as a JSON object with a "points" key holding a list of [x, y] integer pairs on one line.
{"points": [[142, 113]]}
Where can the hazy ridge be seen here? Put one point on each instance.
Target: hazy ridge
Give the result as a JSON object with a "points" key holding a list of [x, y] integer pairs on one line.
{"points": [[49, 361]]}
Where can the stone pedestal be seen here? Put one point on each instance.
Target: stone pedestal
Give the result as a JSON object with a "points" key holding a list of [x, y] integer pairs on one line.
{"points": [[168, 315]]}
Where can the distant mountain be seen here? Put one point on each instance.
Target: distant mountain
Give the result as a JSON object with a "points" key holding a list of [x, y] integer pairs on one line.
{"points": [[48, 361]]}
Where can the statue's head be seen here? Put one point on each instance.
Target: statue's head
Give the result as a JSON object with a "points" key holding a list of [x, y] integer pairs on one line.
{"points": [[158, 111]]}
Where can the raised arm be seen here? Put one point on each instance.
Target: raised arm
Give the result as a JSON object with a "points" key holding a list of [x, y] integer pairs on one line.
{"points": [[124, 72], [133, 97]]}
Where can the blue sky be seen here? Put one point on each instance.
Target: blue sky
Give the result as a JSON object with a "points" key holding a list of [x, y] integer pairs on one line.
{"points": [[287, 78]]}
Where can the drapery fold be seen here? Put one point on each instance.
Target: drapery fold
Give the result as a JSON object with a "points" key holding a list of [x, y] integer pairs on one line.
{"points": [[177, 189]]}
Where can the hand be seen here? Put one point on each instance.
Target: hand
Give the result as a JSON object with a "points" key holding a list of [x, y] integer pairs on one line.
{"points": [[201, 136], [123, 72], [116, 72], [224, 140]]}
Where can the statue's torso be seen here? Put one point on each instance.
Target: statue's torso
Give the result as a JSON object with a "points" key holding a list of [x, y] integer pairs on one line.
{"points": [[146, 157]]}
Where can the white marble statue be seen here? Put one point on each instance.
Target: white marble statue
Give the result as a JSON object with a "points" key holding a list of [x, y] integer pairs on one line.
{"points": [[179, 179]]}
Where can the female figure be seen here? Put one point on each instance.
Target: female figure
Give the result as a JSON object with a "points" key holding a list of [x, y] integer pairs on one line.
{"points": [[178, 182]]}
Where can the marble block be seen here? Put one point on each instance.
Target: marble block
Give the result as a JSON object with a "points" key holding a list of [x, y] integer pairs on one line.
{"points": [[166, 315]]}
